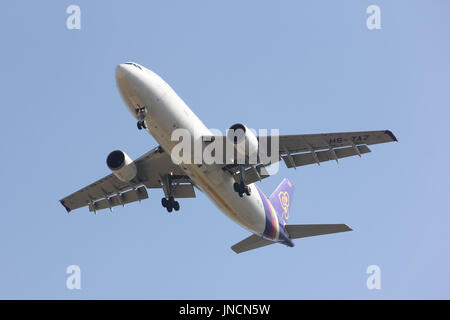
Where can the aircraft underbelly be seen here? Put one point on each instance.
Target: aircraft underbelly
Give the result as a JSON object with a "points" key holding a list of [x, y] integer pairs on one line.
{"points": [[168, 112], [247, 211]]}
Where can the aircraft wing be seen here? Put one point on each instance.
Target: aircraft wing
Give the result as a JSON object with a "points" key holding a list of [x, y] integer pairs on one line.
{"points": [[303, 149], [109, 191], [346, 142], [300, 150]]}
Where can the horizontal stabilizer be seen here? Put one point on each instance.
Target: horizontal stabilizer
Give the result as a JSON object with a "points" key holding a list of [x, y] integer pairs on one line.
{"points": [[250, 243], [296, 231]]}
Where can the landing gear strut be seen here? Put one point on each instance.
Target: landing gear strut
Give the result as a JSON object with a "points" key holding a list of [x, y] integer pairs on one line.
{"points": [[240, 187], [141, 112]]}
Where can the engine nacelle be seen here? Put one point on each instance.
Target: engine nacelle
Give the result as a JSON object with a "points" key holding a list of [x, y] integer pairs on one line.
{"points": [[244, 141], [121, 165]]}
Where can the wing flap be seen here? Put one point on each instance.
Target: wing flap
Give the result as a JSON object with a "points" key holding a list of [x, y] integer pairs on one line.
{"points": [[303, 159], [120, 199], [184, 191], [254, 174]]}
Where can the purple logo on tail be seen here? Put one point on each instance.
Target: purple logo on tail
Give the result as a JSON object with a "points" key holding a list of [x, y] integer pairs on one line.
{"points": [[284, 200], [281, 200]]}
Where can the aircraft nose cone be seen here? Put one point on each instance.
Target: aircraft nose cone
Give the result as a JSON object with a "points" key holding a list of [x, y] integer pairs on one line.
{"points": [[121, 71]]}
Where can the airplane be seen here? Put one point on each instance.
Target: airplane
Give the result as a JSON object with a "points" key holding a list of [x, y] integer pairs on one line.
{"points": [[231, 186]]}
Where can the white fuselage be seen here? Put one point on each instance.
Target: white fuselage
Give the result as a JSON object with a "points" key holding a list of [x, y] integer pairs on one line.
{"points": [[166, 111]]}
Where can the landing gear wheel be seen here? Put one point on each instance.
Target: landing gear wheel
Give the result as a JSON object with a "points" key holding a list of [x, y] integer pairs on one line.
{"points": [[141, 124], [241, 189], [170, 204]]}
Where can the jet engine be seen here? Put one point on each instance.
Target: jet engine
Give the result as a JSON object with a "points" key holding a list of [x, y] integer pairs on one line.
{"points": [[121, 165], [244, 141]]}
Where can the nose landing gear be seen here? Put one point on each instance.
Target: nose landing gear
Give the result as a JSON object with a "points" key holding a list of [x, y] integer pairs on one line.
{"points": [[141, 124], [141, 112]]}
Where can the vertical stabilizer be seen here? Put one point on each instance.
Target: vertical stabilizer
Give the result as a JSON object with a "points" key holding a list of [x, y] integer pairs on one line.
{"points": [[281, 200]]}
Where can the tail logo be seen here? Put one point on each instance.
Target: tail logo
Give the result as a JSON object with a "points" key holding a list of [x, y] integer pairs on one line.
{"points": [[284, 200]]}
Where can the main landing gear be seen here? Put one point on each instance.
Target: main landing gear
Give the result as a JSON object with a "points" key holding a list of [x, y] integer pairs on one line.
{"points": [[141, 112], [170, 204], [240, 187]]}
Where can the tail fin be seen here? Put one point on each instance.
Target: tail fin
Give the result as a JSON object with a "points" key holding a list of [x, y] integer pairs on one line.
{"points": [[281, 200]]}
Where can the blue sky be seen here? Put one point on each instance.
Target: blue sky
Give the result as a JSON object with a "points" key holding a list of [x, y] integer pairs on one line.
{"points": [[302, 67]]}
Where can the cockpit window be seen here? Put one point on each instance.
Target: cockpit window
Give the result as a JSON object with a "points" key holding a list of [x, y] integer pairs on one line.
{"points": [[134, 64]]}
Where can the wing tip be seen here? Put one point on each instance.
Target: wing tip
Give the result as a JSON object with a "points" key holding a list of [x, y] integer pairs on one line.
{"points": [[65, 207], [390, 134], [236, 249]]}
